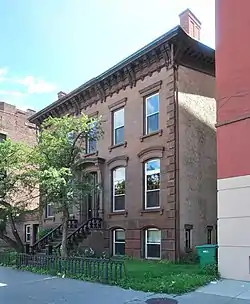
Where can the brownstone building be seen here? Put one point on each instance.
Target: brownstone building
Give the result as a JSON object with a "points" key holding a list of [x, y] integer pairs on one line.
{"points": [[14, 124], [156, 164]]}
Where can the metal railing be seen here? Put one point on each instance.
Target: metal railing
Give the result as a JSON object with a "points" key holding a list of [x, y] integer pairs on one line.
{"points": [[96, 269]]}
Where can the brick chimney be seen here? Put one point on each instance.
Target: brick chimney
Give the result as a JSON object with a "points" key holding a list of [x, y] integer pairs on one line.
{"points": [[61, 94], [190, 24]]}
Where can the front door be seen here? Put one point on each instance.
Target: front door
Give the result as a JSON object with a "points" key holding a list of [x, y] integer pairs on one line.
{"points": [[89, 207]]}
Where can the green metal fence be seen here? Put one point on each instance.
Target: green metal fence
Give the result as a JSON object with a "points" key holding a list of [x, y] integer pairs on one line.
{"points": [[99, 270]]}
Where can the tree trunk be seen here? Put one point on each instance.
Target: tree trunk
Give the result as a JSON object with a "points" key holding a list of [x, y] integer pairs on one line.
{"points": [[13, 244], [64, 250], [16, 234]]}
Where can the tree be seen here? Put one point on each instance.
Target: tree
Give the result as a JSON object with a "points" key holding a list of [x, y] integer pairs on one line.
{"points": [[60, 145], [18, 189]]}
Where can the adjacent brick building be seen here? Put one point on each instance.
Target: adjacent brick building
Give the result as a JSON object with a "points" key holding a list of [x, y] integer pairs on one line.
{"points": [[233, 124], [156, 163], [14, 124]]}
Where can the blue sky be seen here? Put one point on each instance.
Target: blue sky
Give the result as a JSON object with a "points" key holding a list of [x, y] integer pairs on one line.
{"points": [[53, 45]]}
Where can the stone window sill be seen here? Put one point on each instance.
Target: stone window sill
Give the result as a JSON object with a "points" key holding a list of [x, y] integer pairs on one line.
{"points": [[124, 144], [124, 213], [158, 132], [153, 210], [91, 154], [49, 218]]}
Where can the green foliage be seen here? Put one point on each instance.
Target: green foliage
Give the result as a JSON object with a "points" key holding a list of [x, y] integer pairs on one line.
{"points": [[61, 144], [165, 277], [43, 232], [149, 276], [18, 187]]}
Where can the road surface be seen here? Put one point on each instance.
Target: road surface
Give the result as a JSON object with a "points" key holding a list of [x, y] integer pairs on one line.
{"points": [[20, 287]]}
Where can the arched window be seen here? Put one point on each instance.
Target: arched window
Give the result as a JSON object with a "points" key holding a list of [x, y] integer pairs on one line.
{"points": [[118, 189], [118, 242], [152, 243], [152, 183]]}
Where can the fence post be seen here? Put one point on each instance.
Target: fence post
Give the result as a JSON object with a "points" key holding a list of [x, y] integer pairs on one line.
{"points": [[49, 249]]}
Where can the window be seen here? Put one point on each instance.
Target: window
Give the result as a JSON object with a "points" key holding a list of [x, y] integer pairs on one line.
{"points": [[188, 237], [118, 242], [91, 141], [152, 114], [27, 233], [118, 126], [2, 137], [90, 146], [49, 210], [152, 243], [118, 180], [152, 183], [209, 234]]}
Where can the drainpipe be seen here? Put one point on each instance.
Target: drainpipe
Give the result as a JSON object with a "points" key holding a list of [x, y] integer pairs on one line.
{"points": [[177, 160]]}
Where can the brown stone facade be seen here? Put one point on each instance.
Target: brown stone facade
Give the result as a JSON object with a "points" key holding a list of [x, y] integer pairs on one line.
{"points": [[159, 70]]}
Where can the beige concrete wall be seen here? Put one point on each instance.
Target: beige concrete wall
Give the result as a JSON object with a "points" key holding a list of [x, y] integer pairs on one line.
{"points": [[233, 227], [197, 154]]}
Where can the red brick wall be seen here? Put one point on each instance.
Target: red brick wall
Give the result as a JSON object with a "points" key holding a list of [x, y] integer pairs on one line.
{"points": [[233, 87]]}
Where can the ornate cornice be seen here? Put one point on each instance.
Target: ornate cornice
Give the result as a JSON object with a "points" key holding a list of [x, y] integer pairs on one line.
{"points": [[150, 59], [118, 161], [151, 152]]}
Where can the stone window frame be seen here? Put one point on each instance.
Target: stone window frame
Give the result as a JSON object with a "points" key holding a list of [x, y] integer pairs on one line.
{"points": [[154, 152], [114, 163], [114, 242], [116, 106], [145, 93]]}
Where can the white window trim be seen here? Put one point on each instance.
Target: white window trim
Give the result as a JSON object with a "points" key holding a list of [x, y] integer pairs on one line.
{"points": [[146, 243], [145, 182], [48, 216], [117, 242], [146, 111], [113, 189], [119, 126], [27, 226]]}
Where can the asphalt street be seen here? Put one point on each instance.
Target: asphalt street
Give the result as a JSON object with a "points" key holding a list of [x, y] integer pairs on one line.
{"points": [[19, 287]]}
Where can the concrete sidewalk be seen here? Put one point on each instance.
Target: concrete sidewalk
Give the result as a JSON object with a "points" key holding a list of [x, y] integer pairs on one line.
{"points": [[19, 287]]}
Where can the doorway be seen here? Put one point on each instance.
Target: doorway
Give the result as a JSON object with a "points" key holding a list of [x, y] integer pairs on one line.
{"points": [[89, 206]]}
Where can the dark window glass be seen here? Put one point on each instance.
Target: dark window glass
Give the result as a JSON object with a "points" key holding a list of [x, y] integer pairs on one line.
{"points": [[119, 135], [154, 251], [153, 199], [2, 137], [188, 241], [209, 234], [152, 123]]}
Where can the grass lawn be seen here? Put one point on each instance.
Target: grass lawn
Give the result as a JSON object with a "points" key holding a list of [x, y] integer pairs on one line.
{"points": [[166, 277]]}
